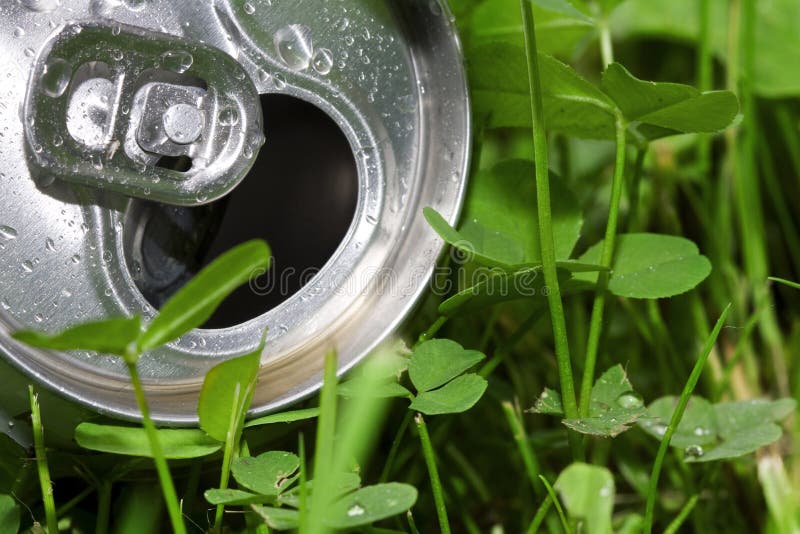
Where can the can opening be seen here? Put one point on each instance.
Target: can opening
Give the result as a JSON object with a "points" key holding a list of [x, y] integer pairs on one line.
{"points": [[300, 196]]}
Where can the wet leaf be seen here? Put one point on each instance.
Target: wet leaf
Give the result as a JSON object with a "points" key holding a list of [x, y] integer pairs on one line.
{"points": [[458, 395], [266, 474], [284, 417], [437, 361], [9, 515], [651, 266], [549, 402], [720, 431], [226, 394], [587, 492], [371, 504], [278, 518], [613, 408], [110, 336], [194, 303], [177, 443]]}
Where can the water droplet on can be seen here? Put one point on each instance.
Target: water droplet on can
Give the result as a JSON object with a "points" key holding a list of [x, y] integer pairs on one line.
{"points": [[135, 5], [293, 44], [177, 61], [40, 6], [323, 61], [8, 232], [228, 116]]}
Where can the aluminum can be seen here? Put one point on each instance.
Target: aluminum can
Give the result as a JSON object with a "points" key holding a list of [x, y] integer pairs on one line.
{"points": [[127, 125]]}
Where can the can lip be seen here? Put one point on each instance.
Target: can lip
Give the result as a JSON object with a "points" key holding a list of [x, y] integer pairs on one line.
{"points": [[443, 122]]}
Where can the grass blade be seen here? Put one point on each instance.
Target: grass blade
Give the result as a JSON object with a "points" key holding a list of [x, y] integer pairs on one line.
{"points": [[676, 523], [789, 283], [688, 388], [323, 452], [524, 446], [559, 508]]}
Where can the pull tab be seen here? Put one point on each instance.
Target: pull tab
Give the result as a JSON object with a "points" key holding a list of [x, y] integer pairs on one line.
{"points": [[142, 113]]}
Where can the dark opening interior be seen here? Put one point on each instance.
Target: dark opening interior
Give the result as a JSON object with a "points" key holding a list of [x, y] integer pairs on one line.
{"points": [[300, 196]]}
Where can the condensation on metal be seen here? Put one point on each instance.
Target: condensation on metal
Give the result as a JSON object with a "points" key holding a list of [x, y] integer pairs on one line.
{"points": [[389, 73]]}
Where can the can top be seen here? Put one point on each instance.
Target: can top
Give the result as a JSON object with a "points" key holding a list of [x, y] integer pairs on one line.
{"points": [[107, 89]]}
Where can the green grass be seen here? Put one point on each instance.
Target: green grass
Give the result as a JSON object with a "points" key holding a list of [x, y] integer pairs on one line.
{"points": [[637, 211]]}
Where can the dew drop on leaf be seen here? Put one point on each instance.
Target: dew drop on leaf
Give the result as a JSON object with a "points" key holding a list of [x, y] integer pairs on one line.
{"points": [[355, 511], [630, 400], [694, 451]]}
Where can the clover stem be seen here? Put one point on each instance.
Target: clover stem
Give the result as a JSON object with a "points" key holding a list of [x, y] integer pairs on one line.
{"points": [[546, 240], [606, 46], [704, 83], [607, 255], [41, 464], [433, 472], [164, 477]]}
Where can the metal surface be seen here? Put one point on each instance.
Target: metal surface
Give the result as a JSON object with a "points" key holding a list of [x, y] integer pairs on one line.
{"points": [[389, 73]]}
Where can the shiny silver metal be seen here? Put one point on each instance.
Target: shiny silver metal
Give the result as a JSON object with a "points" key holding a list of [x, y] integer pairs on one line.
{"points": [[388, 72], [107, 101]]}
